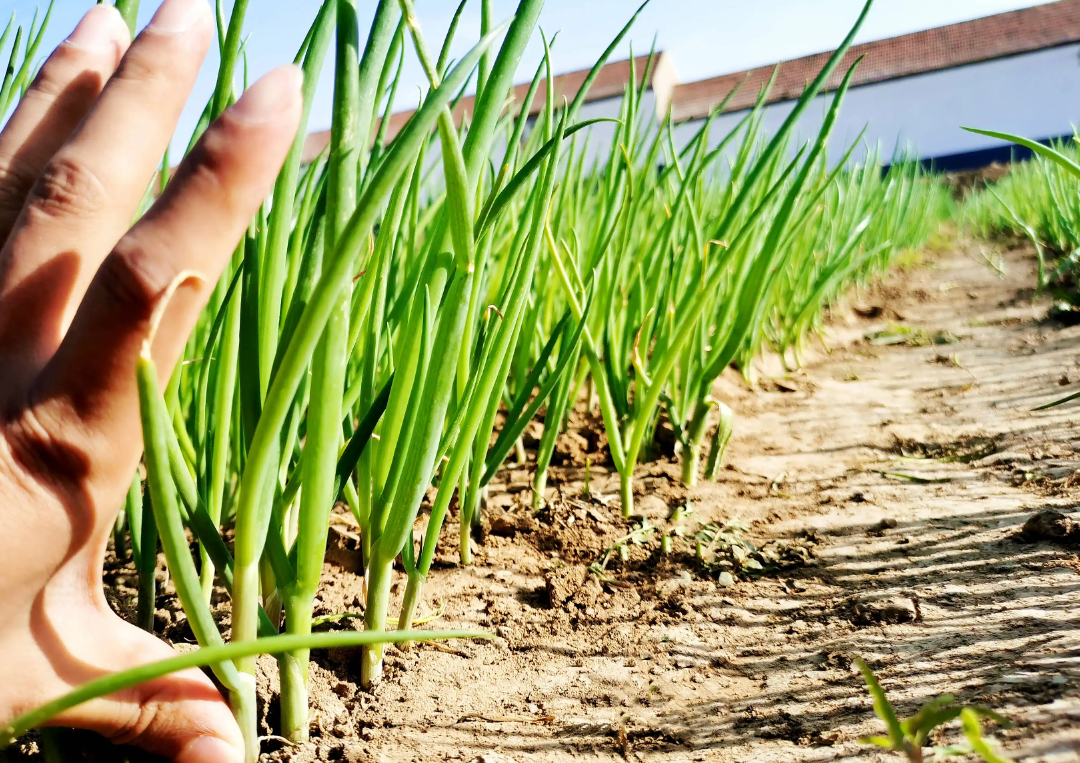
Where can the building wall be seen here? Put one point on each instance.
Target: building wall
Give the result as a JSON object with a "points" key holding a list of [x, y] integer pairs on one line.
{"points": [[601, 135], [1036, 95]]}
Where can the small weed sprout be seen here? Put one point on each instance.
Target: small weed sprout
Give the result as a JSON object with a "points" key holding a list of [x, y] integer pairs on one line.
{"points": [[910, 737]]}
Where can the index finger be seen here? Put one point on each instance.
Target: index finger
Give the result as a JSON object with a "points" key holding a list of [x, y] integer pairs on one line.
{"points": [[88, 193]]}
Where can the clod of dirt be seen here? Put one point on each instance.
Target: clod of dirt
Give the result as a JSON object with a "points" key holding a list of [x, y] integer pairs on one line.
{"points": [[834, 660], [787, 554], [886, 524], [652, 505], [827, 738], [781, 725], [966, 182], [583, 441], [884, 609], [356, 753], [870, 311], [780, 385], [570, 449], [343, 550], [506, 524], [564, 582], [589, 592], [1050, 525]]}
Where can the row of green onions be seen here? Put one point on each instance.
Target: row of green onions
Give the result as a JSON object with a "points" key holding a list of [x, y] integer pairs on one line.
{"points": [[1036, 200], [401, 309]]}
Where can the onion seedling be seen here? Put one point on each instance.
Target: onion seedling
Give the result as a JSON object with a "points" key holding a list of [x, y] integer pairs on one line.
{"points": [[19, 71], [670, 315], [1036, 200]]}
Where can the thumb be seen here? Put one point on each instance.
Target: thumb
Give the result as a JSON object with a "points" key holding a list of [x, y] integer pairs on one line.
{"points": [[181, 716]]}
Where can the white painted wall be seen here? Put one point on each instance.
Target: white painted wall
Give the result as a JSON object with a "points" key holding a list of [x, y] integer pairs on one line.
{"points": [[601, 135], [1036, 95]]}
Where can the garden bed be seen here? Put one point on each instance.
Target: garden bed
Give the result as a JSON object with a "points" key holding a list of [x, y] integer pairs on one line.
{"points": [[881, 490]]}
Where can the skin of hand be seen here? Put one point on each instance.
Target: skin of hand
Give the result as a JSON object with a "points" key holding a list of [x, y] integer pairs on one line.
{"points": [[78, 284]]}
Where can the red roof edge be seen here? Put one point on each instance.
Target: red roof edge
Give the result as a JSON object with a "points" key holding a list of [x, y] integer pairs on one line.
{"points": [[968, 42], [610, 82]]}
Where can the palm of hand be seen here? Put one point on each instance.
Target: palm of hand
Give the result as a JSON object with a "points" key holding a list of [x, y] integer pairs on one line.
{"points": [[76, 291]]}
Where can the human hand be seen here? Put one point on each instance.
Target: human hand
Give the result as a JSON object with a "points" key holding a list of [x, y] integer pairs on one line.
{"points": [[77, 289]]}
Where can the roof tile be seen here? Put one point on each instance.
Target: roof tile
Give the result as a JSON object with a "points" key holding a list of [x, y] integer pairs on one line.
{"points": [[610, 82]]}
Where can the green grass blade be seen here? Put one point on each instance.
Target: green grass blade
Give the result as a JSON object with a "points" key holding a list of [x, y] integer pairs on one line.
{"points": [[448, 41], [374, 67], [590, 78], [155, 423], [6, 89], [117, 682], [516, 426], [22, 79], [882, 706], [274, 260], [129, 10], [230, 49], [521, 176], [1056, 157], [492, 97], [973, 731]]}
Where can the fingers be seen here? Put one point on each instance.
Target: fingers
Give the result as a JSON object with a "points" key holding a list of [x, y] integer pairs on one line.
{"points": [[194, 226], [89, 191], [181, 716], [61, 95]]}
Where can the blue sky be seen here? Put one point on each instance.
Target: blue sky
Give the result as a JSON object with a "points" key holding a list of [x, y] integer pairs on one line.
{"points": [[707, 37]]}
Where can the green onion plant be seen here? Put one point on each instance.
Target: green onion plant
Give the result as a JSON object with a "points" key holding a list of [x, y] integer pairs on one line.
{"points": [[21, 57], [1037, 200]]}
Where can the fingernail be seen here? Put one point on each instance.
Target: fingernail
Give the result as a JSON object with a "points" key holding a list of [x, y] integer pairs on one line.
{"points": [[210, 750], [272, 95], [178, 16], [98, 29]]}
